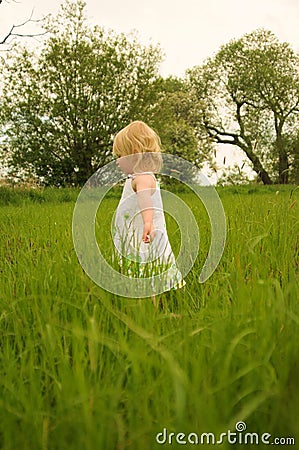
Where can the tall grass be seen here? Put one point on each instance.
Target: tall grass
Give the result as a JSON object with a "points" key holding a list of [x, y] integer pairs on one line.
{"points": [[84, 369]]}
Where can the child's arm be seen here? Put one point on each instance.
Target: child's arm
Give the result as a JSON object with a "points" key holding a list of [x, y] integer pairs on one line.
{"points": [[143, 186]]}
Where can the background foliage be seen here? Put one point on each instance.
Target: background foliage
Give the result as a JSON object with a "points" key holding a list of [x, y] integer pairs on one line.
{"points": [[248, 96], [62, 103]]}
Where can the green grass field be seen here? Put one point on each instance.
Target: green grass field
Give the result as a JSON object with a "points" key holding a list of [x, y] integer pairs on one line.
{"points": [[84, 369]]}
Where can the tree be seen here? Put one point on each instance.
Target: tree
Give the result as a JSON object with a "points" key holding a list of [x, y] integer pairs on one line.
{"points": [[171, 119], [293, 149], [248, 96], [61, 107]]}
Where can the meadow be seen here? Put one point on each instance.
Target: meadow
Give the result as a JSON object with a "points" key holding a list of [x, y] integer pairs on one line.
{"points": [[82, 368]]}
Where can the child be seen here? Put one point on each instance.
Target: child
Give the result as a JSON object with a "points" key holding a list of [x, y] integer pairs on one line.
{"points": [[140, 234]]}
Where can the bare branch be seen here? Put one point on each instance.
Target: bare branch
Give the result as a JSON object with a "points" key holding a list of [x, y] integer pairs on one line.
{"points": [[13, 34], [10, 1]]}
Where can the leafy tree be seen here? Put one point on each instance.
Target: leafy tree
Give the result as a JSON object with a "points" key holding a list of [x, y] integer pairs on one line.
{"points": [[171, 119], [62, 105], [248, 96]]}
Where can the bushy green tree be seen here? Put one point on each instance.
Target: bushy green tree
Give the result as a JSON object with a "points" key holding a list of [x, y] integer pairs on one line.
{"points": [[172, 119], [63, 103], [248, 96]]}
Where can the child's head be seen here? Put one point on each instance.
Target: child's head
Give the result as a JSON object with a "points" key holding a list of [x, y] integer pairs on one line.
{"points": [[140, 140]]}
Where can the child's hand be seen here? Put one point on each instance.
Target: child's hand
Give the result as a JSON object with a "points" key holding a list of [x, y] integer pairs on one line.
{"points": [[148, 232]]}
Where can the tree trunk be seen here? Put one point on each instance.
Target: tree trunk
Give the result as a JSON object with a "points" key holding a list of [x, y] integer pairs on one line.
{"points": [[85, 169], [262, 173], [283, 169], [224, 137], [283, 163], [257, 165]]}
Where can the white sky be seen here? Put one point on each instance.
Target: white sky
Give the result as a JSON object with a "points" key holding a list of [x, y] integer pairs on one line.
{"points": [[188, 30]]}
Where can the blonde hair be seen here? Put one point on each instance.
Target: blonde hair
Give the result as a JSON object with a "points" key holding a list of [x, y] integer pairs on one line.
{"points": [[139, 139]]}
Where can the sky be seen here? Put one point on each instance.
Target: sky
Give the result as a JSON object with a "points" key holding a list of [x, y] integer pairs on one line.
{"points": [[188, 31]]}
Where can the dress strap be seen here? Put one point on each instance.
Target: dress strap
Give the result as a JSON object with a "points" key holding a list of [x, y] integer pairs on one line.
{"points": [[141, 173]]}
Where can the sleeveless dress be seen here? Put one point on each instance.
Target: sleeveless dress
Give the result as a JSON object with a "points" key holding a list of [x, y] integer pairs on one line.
{"points": [[136, 258]]}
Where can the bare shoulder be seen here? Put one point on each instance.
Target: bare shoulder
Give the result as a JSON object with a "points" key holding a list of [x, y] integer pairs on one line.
{"points": [[143, 181]]}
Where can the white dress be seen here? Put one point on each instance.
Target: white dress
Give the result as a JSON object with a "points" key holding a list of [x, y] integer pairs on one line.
{"points": [[136, 258]]}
